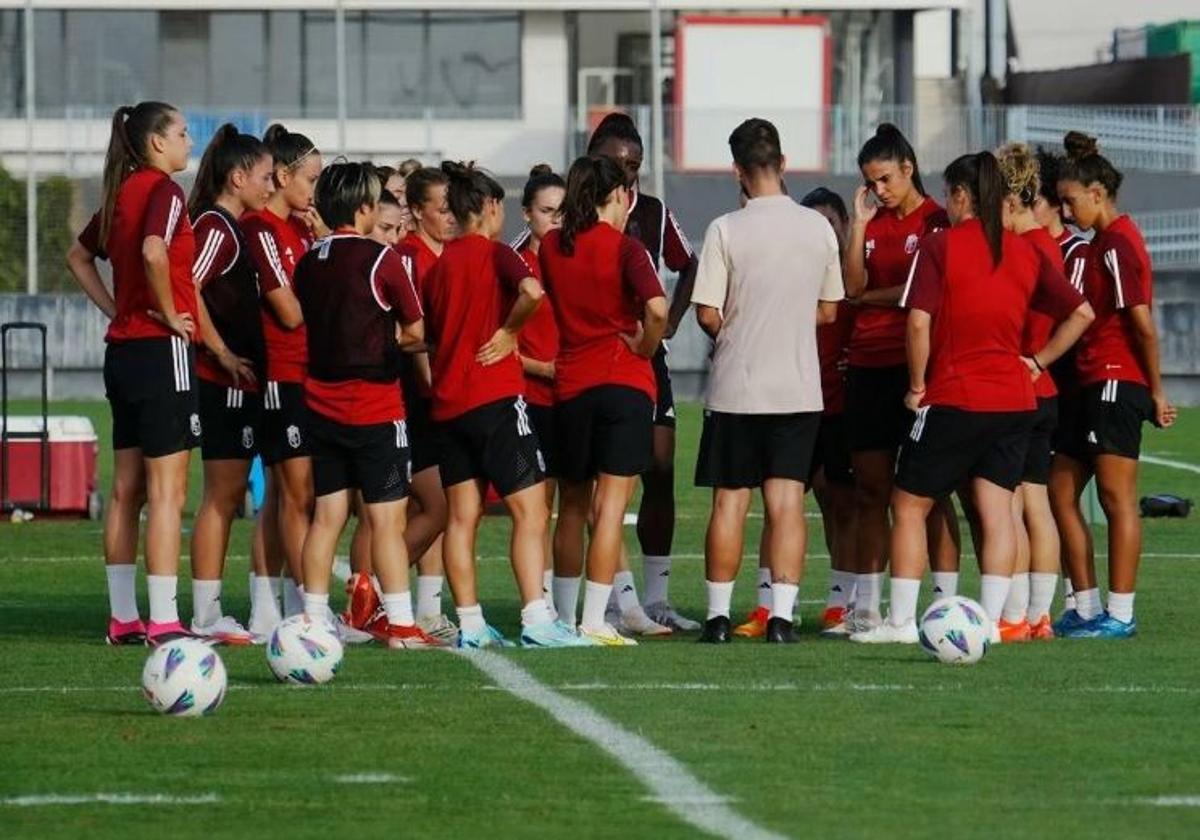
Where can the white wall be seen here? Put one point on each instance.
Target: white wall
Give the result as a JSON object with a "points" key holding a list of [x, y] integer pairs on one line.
{"points": [[1066, 33]]}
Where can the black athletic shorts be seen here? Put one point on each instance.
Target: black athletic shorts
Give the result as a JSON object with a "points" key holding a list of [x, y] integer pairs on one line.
{"points": [[372, 459], [832, 451], [744, 450], [947, 446], [1111, 414], [151, 388], [230, 418], [607, 429], [543, 418], [664, 409], [422, 433], [1037, 455], [495, 443], [1069, 428], [284, 428], [875, 413]]}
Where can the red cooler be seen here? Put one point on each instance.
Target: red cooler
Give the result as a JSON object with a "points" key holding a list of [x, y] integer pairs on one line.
{"points": [[72, 453]]}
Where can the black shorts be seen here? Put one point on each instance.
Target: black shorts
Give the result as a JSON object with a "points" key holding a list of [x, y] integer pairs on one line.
{"points": [[875, 413], [1037, 455], [832, 451], [607, 429], [1110, 421], [372, 459], [1069, 428], [230, 418], [946, 446], [543, 418], [744, 450], [495, 443], [664, 409], [151, 388], [284, 429], [422, 433]]}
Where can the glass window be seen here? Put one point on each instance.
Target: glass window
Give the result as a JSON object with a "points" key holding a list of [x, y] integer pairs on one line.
{"points": [[475, 64]]}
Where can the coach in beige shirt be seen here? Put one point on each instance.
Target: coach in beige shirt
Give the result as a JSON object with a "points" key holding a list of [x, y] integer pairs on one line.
{"points": [[769, 274]]}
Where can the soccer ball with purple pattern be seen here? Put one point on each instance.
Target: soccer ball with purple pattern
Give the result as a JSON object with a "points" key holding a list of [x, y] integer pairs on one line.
{"points": [[304, 652], [955, 630], [184, 678]]}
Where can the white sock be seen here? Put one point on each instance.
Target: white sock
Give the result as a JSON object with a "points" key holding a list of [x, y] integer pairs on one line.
{"points": [[1087, 603], [293, 598], [399, 608], [429, 596], [566, 598], [276, 588], [656, 578], [783, 600], [841, 589], [1120, 606], [764, 590], [535, 612], [470, 619], [162, 590], [122, 591], [903, 607], [868, 591], [206, 602], [720, 593], [945, 585], [595, 602], [548, 585], [623, 585], [316, 607], [1041, 595], [1068, 593], [993, 590], [264, 604], [1016, 605]]}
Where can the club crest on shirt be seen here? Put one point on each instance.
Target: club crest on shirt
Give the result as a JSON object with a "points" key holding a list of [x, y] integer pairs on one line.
{"points": [[194, 421], [910, 244], [247, 437], [293, 436], [870, 247]]}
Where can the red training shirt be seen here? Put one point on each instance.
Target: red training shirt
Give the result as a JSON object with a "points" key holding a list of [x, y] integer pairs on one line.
{"points": [[979, 313], [468, 296], [538, 339], [148, 204], [276, 246], [879, 331], [1118, 278], [833, 341], [599, 293], [1039, 327]]}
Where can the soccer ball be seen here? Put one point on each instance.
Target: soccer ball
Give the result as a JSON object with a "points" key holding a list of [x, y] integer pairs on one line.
{"points": [[955, 630], [185, 678], [303, 651]]}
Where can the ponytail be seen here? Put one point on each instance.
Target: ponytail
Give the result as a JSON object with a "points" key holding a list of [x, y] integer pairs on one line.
{"points": [[468, 188], [1020, 172], [132, 126], [889, 143], [979, 175], [228, 150], [589, 183], [289, 148], [1086, 165]]}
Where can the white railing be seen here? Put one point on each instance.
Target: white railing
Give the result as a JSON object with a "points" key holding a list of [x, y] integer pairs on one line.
{"points": [[1172, 237]]}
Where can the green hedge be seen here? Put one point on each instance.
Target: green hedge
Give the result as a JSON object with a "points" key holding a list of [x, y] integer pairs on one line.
{"points": [[55, 195]]}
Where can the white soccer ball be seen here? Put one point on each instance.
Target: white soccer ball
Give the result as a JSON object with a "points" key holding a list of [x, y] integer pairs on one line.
{"points": [[303, 651], [955, 630], [185, 678]]}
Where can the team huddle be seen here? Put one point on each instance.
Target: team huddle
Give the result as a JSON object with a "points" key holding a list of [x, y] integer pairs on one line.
{"points": [[365, 332]]}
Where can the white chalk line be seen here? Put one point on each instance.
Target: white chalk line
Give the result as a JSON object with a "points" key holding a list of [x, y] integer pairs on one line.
{"points": [[670, 782], [1167, 462], [42, 800], [1170, 801], [369, 779]]}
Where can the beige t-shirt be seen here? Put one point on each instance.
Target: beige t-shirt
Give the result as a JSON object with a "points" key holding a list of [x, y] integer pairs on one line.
{"points": [[765, 267]]}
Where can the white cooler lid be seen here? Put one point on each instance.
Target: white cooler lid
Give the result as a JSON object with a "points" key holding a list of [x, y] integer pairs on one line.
{"points": [[63, 428]]}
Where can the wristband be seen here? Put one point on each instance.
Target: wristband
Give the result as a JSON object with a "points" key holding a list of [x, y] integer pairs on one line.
{"points": [[1037, 364]]}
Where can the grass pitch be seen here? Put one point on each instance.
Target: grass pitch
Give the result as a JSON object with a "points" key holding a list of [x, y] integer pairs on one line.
{"points": [[818, 739]]}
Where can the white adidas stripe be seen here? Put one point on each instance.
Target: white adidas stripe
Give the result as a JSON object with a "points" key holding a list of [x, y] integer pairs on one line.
{"points": [[208, 254], [268, 243]]}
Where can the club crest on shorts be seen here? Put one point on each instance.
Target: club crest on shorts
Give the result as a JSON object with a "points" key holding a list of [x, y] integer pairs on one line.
{"points": [[910, 244], [194, 422], [293, 436], [247, 437], [541, 460], [870, 247]]}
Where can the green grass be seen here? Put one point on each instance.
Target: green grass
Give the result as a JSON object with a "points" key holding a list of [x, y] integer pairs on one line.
{"points": [[820, 739]]}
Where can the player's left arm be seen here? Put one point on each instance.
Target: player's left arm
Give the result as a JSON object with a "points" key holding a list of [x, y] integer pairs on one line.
{"points": [[679, 257], [514, 273]]}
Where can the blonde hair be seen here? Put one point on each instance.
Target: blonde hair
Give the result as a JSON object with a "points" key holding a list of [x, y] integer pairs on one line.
{"points": [[408, 167], [1020, 172]]}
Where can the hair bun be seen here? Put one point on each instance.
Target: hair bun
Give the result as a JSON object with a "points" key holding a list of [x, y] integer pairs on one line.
{"points": [[458, 169], [1080, 145], [541, 170], [888, 129]]}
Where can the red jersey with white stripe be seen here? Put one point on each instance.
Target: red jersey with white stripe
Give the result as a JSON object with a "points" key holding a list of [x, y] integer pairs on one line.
{"points": [[1039, 327], [833, 342], [538, 340], [148, 204], [1074, 249], [654, 225], [276, 246], [353, 291], [599, 293], [879, 331], [979, 313], [468, 296], [1118, 278], [229, 285], [422, 258]]}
